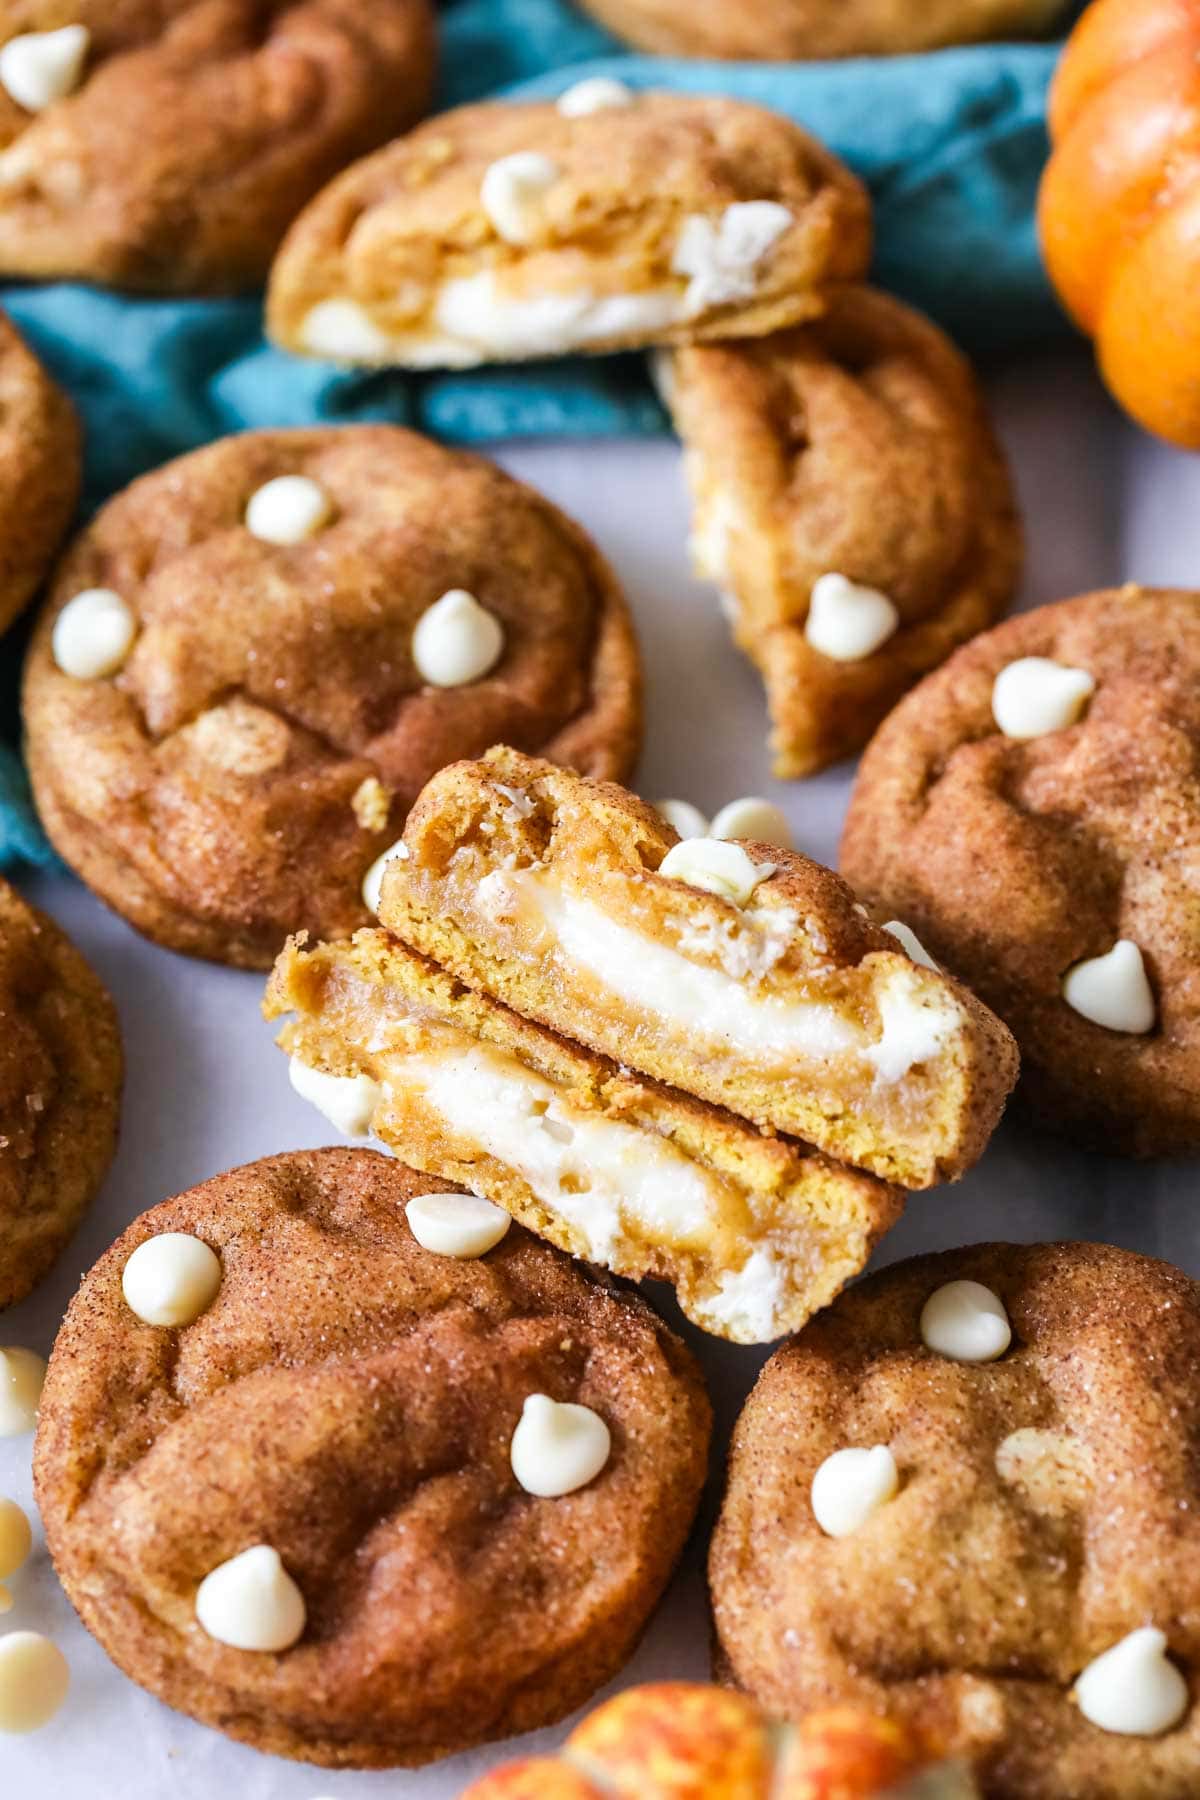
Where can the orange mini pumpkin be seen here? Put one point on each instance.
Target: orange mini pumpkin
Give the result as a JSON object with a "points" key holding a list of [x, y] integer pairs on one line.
{"points": [[1120, 203]]}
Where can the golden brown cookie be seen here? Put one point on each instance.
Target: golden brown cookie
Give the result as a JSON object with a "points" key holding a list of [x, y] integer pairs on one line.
{"points": [[756, 1233], [165, 145], [60, 1091], [349, 1400], [574, 903], [795, 30], [266, 723], [509, 230], [39, 470], [853, 452], [1025, 861], [1048, 1505]]}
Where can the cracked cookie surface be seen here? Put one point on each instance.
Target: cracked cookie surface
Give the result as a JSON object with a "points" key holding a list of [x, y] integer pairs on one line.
{"points": [[792, 30], [1048, 1505], [191, 132], [233, 779], [1016, 860], [349, 1399], [39, 470]]}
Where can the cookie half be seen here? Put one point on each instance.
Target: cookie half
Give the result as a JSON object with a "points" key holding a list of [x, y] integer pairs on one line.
{"points": [[756, 1233], [796, 30], [1052, 864], [1044, 1509], [40, 471], [229, 726], [165, 147], [348, 1401], [60, 1091], [854, 506], [504, 230], [785, 1004]]}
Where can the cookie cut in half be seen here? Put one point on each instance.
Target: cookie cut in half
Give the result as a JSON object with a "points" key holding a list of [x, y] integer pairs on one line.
{"points": [[1032, 810], [992, 1535], [854, 507], [322, 1515], [40, 457], [60, 1091], [756, 1233], [254, 657], [508, 230], [165, 145], [776, 998]]}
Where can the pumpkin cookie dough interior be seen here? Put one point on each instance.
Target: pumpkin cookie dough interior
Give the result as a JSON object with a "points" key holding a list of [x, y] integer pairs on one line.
{"points": [[787, 1006], [755, 1232], [503, 231]]}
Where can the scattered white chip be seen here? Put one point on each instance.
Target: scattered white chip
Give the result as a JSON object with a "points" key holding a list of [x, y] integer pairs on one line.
{"points": [[170, 1279], [512, 192], [721, 256], [456, 640], [682, 817], [716, 867], [850, 1487], [372, 882], [1035, 695], [965, 1322], [598, 93], [1133, 1689], [16, 1541], [1113, 990], [558, 1447], [347, 1101], [288, 509], [93, 634], [251, 1602], [22, 1373], [848, 622], [458, 1225], [39, 67], [34, 1679], [759, 820], [911, 944]]}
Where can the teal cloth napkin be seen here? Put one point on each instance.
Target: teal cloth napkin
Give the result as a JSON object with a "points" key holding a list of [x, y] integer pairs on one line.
{"points": [[951, 145]]}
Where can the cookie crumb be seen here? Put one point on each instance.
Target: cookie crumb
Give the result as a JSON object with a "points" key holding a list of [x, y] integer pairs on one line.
{"points": [[371, 803]]}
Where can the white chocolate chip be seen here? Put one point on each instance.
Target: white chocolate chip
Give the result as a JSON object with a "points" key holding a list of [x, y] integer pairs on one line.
{"points": [[34, 1679], [456, 640], [170, 1279], [1133, 1689], [909, 942], [288, 509], [458, 1225], [1035, 695], [715, 866], [16, 1541], [558, 1447], [251, 1602], [22, 1373], [753, 818], [343, 331], [512, 192], [721, 256], [347, 1101], [965, 1322], [850, 1487], [598, 93], [682, 817], [93, 634], [848, 622], [1113, 990], [372, 881], [39, 67]]}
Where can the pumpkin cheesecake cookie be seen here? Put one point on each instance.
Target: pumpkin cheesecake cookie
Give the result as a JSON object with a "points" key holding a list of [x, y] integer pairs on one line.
{"points": [[967, 1496], [756, 1233], [743, 974], [797, 30], [60, 1091], [610, 221], [351, 1499], [854, 507], [165, 145], [39, 471], [254, 657], [1032, 810]]}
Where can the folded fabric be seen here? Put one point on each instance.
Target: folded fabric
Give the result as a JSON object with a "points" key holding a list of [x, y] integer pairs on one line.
{"points": [[951, 145]]}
